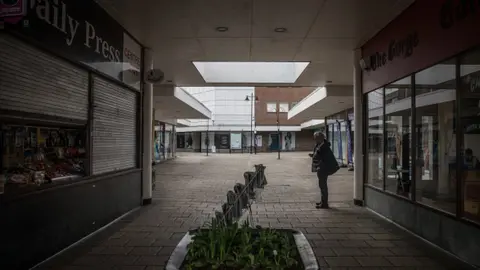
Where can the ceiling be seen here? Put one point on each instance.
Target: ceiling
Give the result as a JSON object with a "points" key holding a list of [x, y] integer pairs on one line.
{"points": [[324, 32], [172, 102], [322, 102]]}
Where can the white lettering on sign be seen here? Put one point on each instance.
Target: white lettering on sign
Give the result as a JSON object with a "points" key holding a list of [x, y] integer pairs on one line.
{"points": [[54, 13], [474, 84]]}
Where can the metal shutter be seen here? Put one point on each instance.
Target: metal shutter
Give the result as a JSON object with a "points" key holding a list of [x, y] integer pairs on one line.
{"points": [[114, 127], [35, 82]]}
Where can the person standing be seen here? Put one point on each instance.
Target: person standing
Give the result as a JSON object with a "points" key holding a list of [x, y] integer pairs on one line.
{"points": [[324, 164]]}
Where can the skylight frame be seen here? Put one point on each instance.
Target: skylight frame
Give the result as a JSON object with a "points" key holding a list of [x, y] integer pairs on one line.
{"points": [[251, 72]]}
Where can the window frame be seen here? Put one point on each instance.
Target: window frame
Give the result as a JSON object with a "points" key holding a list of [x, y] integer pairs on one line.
{"points": [[459, 213], [268, 104], [280, 107]]}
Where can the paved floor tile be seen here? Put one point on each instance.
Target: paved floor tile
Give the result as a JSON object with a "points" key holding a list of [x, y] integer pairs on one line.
{"points": [[191, 188]]}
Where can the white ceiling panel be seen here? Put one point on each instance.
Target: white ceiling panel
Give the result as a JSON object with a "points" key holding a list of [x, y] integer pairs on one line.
{"points": [[274, 49], [326, 50], [226, 49], [206, 16], [323, 32], [295, 16], [179, 49]]}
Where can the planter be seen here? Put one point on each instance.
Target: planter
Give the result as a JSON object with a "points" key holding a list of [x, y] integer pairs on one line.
{"points": [[306, 255]]}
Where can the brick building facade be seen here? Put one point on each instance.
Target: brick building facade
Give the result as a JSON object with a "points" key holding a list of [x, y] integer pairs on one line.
{"points": [[271, 99]]}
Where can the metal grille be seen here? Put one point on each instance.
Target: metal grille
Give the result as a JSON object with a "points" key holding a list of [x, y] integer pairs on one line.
{"points": [[35, 82], [114, 127]]}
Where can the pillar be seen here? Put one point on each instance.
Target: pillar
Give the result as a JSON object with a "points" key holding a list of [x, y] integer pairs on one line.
{"points": [[358, 141], [147, 147]]}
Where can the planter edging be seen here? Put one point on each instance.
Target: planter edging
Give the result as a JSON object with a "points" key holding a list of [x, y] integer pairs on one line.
{"points": [[303, 246]]}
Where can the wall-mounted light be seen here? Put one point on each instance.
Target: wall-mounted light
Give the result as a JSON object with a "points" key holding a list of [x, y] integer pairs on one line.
{"points": [[364, 65]]}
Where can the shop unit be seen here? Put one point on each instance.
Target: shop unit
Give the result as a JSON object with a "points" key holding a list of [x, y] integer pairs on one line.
{"points": [[422, 124], [339, 131], [69, 132]]}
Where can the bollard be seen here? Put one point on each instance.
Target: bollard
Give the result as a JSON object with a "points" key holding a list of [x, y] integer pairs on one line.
{"points": [[249, 177], [261, 178], [227, 216], [233, 204], [239, 191]]}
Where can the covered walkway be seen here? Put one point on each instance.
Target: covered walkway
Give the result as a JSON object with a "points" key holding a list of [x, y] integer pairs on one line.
{"points": [[190, 188]]}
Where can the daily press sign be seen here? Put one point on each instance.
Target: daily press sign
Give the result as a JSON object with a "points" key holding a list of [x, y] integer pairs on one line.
{"points": [[81, 31]]}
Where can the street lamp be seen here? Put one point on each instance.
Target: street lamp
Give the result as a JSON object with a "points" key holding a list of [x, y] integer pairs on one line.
{"points": [[207, 139], [278, 131], [253, 99]]}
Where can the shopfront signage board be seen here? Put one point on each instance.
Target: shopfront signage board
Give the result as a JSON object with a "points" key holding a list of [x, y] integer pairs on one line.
{"points": [[443, 29], [82, 32], [235, 141]]}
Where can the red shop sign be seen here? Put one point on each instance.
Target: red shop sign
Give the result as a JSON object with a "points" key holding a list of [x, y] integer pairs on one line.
{"points": [[427, 32]]}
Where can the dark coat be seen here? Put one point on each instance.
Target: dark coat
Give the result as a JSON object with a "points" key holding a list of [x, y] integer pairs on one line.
{"points": [[323, 160]]}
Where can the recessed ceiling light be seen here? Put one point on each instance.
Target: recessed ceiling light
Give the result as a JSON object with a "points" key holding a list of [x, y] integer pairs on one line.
{"points": [[169, 81], [329, 81], [280, 29], [222, 29]]}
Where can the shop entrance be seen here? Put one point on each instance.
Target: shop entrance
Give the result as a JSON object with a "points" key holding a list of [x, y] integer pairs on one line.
{"points": [[275, 142]]}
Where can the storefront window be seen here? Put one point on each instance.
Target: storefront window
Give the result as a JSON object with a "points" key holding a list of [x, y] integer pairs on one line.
{"points": [[398, 116], [435, 136], [38, 155], [470, 122], [375, 138]]}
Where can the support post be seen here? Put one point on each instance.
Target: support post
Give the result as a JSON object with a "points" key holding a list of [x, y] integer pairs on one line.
{"points": [[278, 131], [358, 141], [147, 133], [252, 98], [207, 139]]}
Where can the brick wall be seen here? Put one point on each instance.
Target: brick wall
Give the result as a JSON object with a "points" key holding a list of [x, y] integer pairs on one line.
{"points": [[277, 95]]}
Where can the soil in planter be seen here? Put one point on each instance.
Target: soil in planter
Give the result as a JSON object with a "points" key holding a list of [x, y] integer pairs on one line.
{"points": [[234, 248]]}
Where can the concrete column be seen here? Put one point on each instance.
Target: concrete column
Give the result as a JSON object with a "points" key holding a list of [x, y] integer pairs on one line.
{"points": [[358, 139], [147, 133]]}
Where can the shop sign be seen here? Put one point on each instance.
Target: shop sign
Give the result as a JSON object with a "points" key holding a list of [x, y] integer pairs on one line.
{"points": [[401, 48], [457, 11], [83, 32]]}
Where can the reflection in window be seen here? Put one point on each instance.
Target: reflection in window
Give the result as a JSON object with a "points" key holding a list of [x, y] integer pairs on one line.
{"points": [[435, 136], [375, 138], [398, 131], [470, 121]]}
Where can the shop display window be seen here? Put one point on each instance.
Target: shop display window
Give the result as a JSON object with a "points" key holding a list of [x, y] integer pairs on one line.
{"points": [[470, 122], [398, 119], [435, 95], [375, 141], [39, 155]]}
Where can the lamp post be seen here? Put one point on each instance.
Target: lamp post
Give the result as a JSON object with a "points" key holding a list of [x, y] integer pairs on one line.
{"points": [[278, 131], [207, 139], [251, 98]]}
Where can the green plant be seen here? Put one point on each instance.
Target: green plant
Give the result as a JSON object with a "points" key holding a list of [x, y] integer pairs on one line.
{"points": [[230, 246]]}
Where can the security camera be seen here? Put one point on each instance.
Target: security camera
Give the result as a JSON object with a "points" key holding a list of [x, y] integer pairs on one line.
{"points": [[154, 76]]}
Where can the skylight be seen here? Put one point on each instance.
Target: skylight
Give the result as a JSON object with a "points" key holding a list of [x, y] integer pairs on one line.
{"points": [[250, 72]]}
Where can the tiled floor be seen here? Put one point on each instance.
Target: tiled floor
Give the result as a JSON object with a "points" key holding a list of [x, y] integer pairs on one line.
{"points": [[190, 188]]}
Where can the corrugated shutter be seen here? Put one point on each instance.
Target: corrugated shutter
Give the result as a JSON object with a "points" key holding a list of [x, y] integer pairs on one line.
{"points": [[114, 127], [35, 82]]}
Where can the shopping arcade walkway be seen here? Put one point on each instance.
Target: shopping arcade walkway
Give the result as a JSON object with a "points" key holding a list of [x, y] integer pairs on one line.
{"points": [[190, 188]]}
